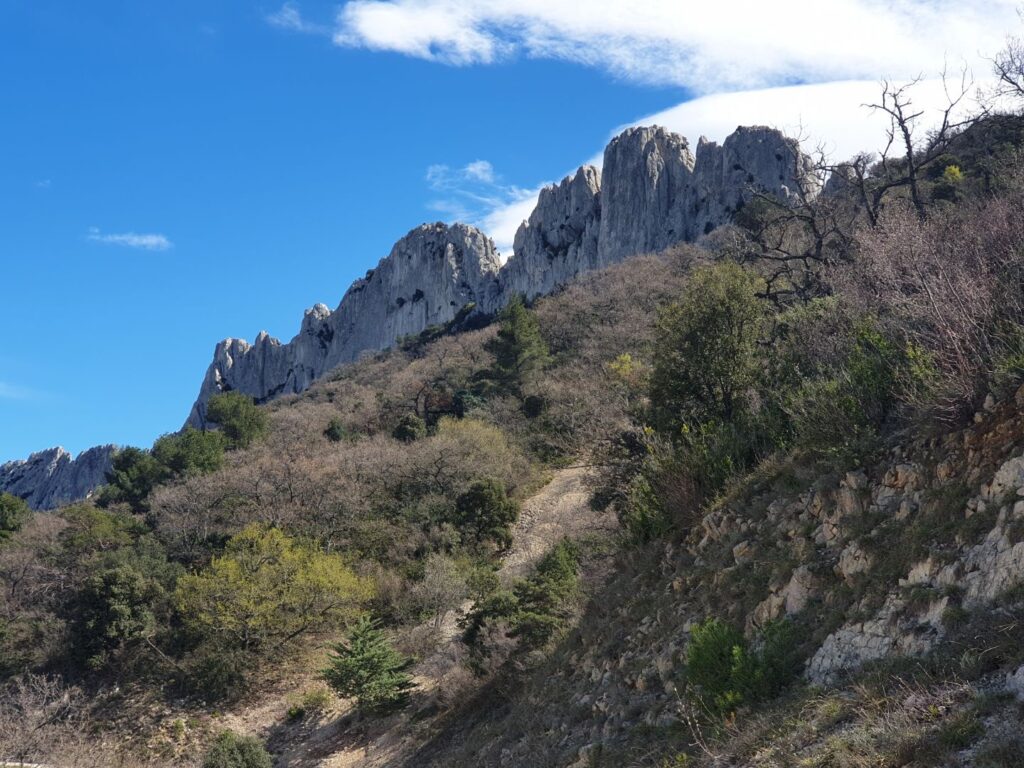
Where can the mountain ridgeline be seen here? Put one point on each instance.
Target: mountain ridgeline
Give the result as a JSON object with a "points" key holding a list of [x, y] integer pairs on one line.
{"points": [[652, 192]]}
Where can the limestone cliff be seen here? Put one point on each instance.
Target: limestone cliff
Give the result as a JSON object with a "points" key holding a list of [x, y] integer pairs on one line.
{"points": [[651, 194], [51, 478], [430, 274]]}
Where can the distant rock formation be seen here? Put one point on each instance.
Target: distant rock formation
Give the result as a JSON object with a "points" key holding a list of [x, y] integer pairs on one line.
{"points": [[560, 239], [430, 274], [650, 194], [51, 478]]}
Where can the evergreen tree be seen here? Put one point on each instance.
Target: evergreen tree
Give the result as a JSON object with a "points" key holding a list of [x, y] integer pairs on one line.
{"points": [[242, 421], [13, 514], [368, 669], [518, 349], [485, 511]]}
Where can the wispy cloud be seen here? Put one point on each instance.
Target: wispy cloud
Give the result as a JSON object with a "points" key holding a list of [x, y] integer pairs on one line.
{"points": [[14, 392], [826, 115], [706, 47], [289, 17], [146, 242], [42, 184], [475, 193]]}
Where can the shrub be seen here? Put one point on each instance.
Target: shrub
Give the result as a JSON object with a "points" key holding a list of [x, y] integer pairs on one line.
{"points": [[487, 513], [544, 599], [111, 610], [705, 355], [534, 611], [13, 514], [727, 672], [268, 588], [365, 667], [231, 750], [519, 349], [133, 475], [190, 452], [242, 421], [336, 431], [409, 428]]}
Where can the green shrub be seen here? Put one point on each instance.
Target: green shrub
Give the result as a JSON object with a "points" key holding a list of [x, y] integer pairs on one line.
{"points": [[486, 513], [216, 672], [409, 428], [365, 667], [266, 590], [312, 702], [230, 750], [533, 612], [13, 514], [544, 599], [242, 421], [519, 349], [112, 609], [706, 349], [337, 431], [133, 475], [726, 672], [190, 452]]}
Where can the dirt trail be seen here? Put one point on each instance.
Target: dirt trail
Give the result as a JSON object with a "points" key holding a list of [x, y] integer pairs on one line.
{"points": [[559, 509]]}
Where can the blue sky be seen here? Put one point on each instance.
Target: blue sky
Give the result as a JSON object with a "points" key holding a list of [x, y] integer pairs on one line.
{"points": [[175, 173]]}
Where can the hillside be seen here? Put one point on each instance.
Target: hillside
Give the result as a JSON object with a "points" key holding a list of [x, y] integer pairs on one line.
{"points": [[752, 502]]}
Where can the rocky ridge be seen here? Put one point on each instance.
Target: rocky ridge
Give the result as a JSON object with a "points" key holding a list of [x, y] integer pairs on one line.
{"points": [[651, 194], [51, 478]]}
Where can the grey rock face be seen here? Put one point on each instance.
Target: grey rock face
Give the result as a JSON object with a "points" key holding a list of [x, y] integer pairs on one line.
{"points": [[646, 178], [726, 177], [559, 241], [651, 194], [430, 274], [51, 478]]}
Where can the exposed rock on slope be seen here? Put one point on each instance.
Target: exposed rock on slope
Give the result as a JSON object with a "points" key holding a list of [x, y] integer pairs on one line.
{"points": [[50, 478], [430, 274], [560, 239], [651, 194]]}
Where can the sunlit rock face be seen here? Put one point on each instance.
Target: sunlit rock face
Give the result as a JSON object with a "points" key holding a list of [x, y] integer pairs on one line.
{"points": [[651, 193], [52, 478]]}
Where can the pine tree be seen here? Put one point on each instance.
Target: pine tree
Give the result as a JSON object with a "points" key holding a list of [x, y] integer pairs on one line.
{"points": [[368, 669], [518, 349]]}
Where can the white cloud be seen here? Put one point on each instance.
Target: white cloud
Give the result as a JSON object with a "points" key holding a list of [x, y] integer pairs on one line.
{"points": [[476, 194], [146, 242], [829, 115], [289, 17], [481, 170], [706, 47]]}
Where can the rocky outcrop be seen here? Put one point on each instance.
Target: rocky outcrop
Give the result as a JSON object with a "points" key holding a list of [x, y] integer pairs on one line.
{"points": [[651, 194], [52, 478], [647, 175], [430, 274], [560, 239]]}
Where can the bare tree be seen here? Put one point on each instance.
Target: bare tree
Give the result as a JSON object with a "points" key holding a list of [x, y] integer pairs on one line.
{"points": [[793, 241], [917, 150], [1008, 68]]}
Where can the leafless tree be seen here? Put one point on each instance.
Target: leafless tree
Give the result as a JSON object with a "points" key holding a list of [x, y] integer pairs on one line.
{"points": [[909, 150], [1008, 68], [793, 241]]}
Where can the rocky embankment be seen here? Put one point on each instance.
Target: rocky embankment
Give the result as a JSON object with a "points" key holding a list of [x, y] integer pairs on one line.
{"points": [[904, 557]]}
